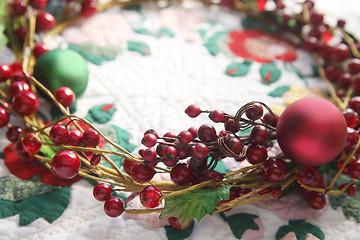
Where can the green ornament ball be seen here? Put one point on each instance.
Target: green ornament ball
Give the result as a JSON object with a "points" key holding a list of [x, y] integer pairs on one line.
{"points": [[60, 68]]}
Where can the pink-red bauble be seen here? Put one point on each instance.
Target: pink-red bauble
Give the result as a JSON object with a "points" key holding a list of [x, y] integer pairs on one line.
{"points": [[311, 131]]}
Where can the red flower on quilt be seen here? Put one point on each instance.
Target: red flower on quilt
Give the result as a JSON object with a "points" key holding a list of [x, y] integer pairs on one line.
{"points": [[261, 47]]}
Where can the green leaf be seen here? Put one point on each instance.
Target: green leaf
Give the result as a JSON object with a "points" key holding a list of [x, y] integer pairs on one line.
{"points": [[49, 206], [144, 31], [167, 32], [96, 54], [15, 189], [101, 113], [301, 229], [211, 43], [238, 69], [279, 91], [173, 234], [140, 47], [241, 222], [194, 204], [270, 73]]}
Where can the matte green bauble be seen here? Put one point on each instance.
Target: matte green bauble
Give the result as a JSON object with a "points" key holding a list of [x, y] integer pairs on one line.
{"points": [[60, 68]]}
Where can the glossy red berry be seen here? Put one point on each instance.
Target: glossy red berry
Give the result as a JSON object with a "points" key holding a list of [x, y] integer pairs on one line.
{"points": [[102, 191], [353, 66], [310, 44], [332, 73], [16, 87], [66, 164], [59, 134], [114, 207], [95, 160], [344, 80], [317, 201], [31, 143], [152, 131], [25, 103], [351, 117], [351, 139], [5, 72], [193, 111], [150, 196], [142, 173], [181, 174], [230, 126], [65, 96], [38, 4], [259, 134], [20, 33], [274, 174], [91, 138], [185, 137], [199, 151], [150, 155], [18, 75], [256, 153], [255, 112], [193, 131], [13, 133], [354, 104], [325, 51], [39, 50], [217, 116], [174, 223], [23, 154], [75, 137], [4, 117], [234, 144], [207, 133], [45, 21], [170, 153], [341, 52], [354, 169], [183, 153], [316, 18], [170, 137], [18, 7], [88, 8], [351, 191], [309, 176], [128, 165], [149, 140]]}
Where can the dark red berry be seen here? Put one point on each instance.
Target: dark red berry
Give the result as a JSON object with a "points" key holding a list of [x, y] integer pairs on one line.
{"points": [[199, 151], [13, 133], [45, 21], [183, 153], [332, 73], [65, 96], [25, 103], [75, 137], [316, 18], [114, 207], [152, 131], [270, 119], [185, 137], [317, 201], [59, 134], [354, 169], [66, 164], [39, 50], [181, 174], [149, 140], [141, 152], [197, 165], [274, 174], [128, 165], [5, 72], [356, 85], [310, 44], [150, 196], [207, 133], [234, 144], [351, 117], [95, 160], [88, 8], [38, 4], [4, 117], [91, 138], [193, 131], [217, 116], [230, 126], [255, 112], [341, 23], [309, 176], [259, 134], [23, 155], [102, 191], [353, 66], [351, 191], [20, 33], [341, 52], [16, 87], [344, 80], [150, 155], [174, 223], [170, 137], [19, 76], [351, 139], [354, 104], [142, 173], [256, 153], [170, 153], [160, 149], [193, 111], [18, 7], [31, 143], [276, 192], [325, 51]]}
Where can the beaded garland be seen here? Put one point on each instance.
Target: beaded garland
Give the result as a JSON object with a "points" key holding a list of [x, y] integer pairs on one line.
{"points": [[338, 65]]}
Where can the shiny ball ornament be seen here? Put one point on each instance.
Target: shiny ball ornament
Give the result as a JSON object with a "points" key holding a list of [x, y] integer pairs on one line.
{"points": [[60, 68], [311, 131]]}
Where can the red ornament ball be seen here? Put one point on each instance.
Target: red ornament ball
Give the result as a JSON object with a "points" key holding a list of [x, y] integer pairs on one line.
{"points": [[311, 131]]}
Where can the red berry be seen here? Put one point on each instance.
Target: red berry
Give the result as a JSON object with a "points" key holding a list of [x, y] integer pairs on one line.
{"points": [[5, 72], [91, 138], [16, 87], [171, 137], [193, 111], [181, 174], [39, 50], [4, 117], [128, 165], [256, 153], [354, 169], [193, 131], [341, 52], [344, 80], [341, 23], [18, 7], [95, 160], [207, 133], [150, 155], [38, 4], [276, 192], [142, 173], [170, 153], [31, 143], [317, 201], [102, 191], [174, 223], [259, 134], [199, 151], [65, 96], [114, 207], [150, 196], [230, 126], [185, 137], [332, 73], [310, 44], [152, 131], [274, 174], [183, 153], [351, 117], [316, 18], [59, 134], [354, 104], [19, 76], [351, 139], [234, 144], [23, 154], [255, 112], [88, 8], [66, 164], [75, 137], [275, 162], [13, 133], [325, 51], [21, 32], [217, 116], [309, 176], [197, 165], [351, 191], [149, 140], [160, 149], [353, 66], [45, 21], [25, 103]]}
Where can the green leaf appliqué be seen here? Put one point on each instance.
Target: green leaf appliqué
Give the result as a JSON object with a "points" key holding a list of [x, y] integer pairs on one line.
{"points": [[195, 204], [270, 73], [238, 69], [101, 113], [241, 222], [96, 54], [173, 234], [212, 43], [49, 206], [279, 91], [301, 229], [139, 47]]}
